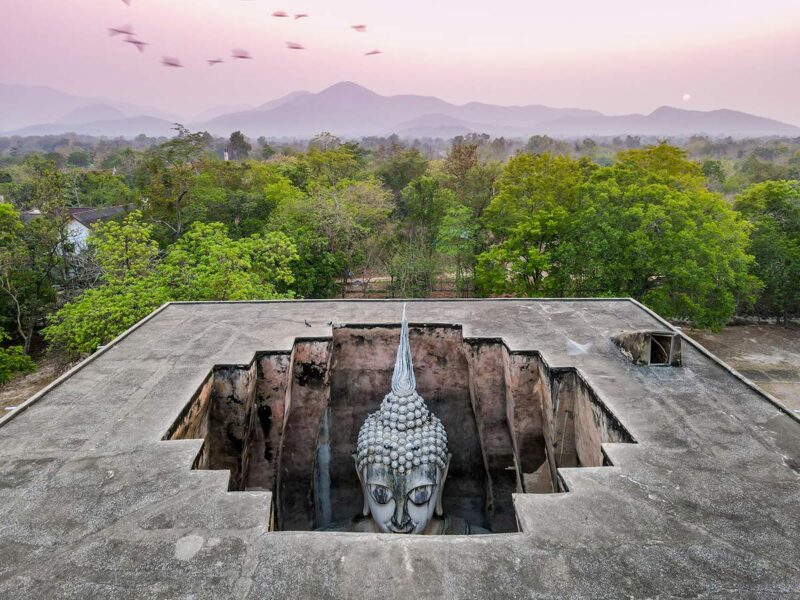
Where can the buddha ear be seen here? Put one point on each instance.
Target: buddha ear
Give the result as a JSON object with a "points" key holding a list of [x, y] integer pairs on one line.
{"points": [[365, 508], [440, 489]]}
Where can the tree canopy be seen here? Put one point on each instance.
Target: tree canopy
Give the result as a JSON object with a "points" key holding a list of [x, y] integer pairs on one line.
{"points": [[773, 209], [645, 227], [204, 264], [477, 216]]}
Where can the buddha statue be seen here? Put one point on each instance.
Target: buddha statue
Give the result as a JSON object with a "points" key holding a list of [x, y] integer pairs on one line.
{"points": [[401, 460]]}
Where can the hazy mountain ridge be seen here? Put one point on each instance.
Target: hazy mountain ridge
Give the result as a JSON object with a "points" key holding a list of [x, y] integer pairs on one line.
{"points": [[219, 110], [129, 128], [668, 120], [91, 113], [350, 110], [22, 106]]}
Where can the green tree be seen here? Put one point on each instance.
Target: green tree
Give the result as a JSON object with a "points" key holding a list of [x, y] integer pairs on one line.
{"points": [[241, 195], [238, 146], [423, 205], [645, 227], [79, 158], [715, 173], [536, 196], [460, 161], [124, 249], [165, 176], [458, 238], [13, 360], [333, 227], [649, 228], [773, 209], [544, 144], [752, 170], [471, 179], [205, 264], [412, 269], [265, 151], [34, 256], [58, 159], [587, 147], [328, 164], [99, 188], [100, 314], [324, 141], [401, 167]]}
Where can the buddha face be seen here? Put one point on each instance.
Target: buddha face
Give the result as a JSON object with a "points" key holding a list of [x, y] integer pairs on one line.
{"points": [[402, 502]]}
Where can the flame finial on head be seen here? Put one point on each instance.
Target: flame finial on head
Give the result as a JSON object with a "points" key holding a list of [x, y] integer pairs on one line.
{"points": [[402, 434], [403, 381]]}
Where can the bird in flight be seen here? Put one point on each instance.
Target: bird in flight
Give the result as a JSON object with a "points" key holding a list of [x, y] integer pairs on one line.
{"points": [[214, 61], [301, 16], [280, 13], [373, 52], [139, 44], [240, 54], [359, 28], [121, 30], [295, 46], [168, 61]]}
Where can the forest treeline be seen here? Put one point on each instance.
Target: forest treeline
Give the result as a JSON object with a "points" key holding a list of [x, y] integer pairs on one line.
{"points": [[698, 233]]}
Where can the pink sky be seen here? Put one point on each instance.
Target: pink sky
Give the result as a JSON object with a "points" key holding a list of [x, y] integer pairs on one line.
{"points": [[616, 56]]}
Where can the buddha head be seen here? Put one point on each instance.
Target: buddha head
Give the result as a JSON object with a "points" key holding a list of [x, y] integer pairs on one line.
{"points": [[402, 458]]}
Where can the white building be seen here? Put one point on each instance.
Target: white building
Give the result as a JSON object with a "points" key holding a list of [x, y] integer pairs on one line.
{"points": [[81, 221]]}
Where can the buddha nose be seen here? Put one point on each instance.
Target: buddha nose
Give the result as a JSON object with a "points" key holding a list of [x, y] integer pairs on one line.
{"points": [[401, 517]]}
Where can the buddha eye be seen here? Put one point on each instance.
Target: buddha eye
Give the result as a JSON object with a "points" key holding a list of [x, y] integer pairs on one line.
{"points": [[380, 494], [421, 495]]}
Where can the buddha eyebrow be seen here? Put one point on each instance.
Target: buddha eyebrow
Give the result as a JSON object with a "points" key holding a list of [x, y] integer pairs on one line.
{"points": [[421, 483]]}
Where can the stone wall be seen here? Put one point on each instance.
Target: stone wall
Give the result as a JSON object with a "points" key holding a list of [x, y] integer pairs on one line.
{"points": [[577, 423], [305, 405], [266, 422], [288, 423]]}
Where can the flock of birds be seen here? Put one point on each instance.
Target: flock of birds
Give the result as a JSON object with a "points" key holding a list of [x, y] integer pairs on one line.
{"points": [[129, 37]]}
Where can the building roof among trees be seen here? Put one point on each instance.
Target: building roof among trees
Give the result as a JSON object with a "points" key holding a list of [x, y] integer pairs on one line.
{"points": [[85, 215], [90, 216]]}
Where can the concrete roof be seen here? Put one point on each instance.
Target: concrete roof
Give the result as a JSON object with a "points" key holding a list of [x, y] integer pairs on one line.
{"points": [[94, 504], [85, 215], [90, 216]]}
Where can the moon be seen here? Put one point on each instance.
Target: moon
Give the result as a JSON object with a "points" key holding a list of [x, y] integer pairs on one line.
{"points": [[687, 97]]}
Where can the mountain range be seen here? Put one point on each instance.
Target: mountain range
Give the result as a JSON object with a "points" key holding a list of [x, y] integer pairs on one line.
{"points": [[350, 110]]}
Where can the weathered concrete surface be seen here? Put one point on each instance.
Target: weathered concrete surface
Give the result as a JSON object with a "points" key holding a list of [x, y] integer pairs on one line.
{"points": [[304, 408], [487, 384], [266, 421], [768, 355], [94, 504]]}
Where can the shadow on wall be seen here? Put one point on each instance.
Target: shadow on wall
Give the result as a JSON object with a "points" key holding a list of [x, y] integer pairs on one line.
{"points": [[288, 422]]}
